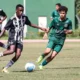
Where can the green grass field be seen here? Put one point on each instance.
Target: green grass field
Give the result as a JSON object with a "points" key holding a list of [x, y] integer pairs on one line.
{"points": [[66, 66]]}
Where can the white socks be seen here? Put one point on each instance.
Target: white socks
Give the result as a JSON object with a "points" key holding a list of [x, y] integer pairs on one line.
{"points": [[1, 54]]}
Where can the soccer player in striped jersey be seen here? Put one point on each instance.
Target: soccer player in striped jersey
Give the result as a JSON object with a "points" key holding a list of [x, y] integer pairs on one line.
{"points": [[15, 26]]}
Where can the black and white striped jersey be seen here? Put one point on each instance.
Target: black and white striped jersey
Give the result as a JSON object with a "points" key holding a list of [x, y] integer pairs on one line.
{"points": [[15, 26]]}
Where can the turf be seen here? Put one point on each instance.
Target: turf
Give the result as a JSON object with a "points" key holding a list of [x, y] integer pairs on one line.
{"points": [[66, 65]]}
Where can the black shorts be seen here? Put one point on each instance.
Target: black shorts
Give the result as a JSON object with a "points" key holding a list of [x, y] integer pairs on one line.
{"points": [[17, 44]]}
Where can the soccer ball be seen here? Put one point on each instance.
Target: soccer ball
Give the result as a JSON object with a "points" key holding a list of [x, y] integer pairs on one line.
{"points": [[29, 67]]}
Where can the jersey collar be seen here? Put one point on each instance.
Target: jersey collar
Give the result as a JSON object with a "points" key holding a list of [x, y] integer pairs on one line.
{"points": [[61, 20]]}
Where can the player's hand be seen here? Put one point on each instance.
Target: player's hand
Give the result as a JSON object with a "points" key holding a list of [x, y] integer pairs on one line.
{"points": [[44, 29], [65, 31]]}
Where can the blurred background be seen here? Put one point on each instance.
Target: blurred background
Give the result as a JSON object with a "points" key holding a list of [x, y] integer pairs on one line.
{"points": [[41, 10]]}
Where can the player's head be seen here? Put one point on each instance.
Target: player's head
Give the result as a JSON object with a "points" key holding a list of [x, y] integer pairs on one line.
{"points": [[19, 10], [58, 5], [63, 11]]}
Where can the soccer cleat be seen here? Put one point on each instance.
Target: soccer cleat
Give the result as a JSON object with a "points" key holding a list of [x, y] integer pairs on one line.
{"points": [[40, 67], [39, 59], [4, 70]]}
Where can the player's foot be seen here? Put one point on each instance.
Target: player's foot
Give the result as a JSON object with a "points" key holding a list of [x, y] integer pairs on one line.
{"points": [[4, 70], [40, 66], [1, 54], [39, 59]]}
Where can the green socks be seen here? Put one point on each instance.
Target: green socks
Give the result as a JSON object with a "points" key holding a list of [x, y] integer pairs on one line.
{"points": [[44, 63]]}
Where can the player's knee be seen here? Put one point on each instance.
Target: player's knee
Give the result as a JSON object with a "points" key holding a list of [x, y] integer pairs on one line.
{"points": [[54, 54], [11, 51], [47, 52], [17, 56]]}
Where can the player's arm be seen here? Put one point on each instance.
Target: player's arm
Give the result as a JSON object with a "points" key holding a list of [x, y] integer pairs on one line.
{"points": [[48, 30], [52, 16], [35, 26], [28, 22], [69, 30], [8, 25]]}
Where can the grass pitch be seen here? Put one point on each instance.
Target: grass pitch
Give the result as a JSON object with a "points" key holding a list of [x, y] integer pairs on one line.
{"points": [[66, 65]]}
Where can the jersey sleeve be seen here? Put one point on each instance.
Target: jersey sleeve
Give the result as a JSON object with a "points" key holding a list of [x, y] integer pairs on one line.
{"points": [[9, 25], [52, 24], [70, 25], [53, 14], [27, 22]]}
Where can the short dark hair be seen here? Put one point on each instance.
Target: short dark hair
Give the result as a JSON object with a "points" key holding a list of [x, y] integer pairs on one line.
{"points": [[19, 5], [63, 8], [58, 4]]}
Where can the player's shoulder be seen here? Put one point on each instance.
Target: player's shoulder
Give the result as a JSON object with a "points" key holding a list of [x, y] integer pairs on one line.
{"points": [[54, 12], [56, 19], [68, 20], [24, 16], [13, 17]]}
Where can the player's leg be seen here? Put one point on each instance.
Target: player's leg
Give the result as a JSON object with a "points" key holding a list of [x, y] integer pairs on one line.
{"points": [[15, 58], [57, 49], [47, 51], [8, 51]]}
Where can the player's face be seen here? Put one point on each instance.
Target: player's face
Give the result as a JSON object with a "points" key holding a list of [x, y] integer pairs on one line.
{"points": [[19, 11], [57, 7], [62, 14]]}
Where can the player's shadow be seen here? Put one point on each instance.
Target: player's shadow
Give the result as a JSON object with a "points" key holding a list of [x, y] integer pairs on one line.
{"points": [[19, 71], [24, 71], [65, 68], [1, 76]]}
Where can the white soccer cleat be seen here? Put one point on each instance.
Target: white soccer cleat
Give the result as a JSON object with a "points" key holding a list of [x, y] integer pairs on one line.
{"points": [[40, 67], [4, 70]]}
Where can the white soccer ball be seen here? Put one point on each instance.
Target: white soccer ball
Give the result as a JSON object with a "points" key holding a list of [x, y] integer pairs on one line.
{"points": [[29, 67]]}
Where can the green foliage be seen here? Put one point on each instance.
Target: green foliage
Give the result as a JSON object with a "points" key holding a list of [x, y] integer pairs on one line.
{"points": [[75, 34], [41, 34], [34, 35], [77, 5]]}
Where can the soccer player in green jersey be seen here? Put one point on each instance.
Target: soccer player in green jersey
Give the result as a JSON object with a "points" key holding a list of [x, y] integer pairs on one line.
{"points": [[59, 28], [55, 13]]}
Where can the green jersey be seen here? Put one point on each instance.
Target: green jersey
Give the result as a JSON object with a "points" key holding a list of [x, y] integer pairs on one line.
{"points": [[55, 14], [57, 27]]}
